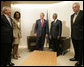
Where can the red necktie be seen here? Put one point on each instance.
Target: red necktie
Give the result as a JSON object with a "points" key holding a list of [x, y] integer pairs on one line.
{"points": [[41, 23]]}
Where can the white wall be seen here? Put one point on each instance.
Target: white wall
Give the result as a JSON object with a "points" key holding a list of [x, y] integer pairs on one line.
{"points": [[31, 12], [64, 11]]}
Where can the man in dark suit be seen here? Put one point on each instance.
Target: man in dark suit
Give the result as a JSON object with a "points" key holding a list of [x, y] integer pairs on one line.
{"points": [[41, 31], [55, 33], [6, 36], [77, 33]]}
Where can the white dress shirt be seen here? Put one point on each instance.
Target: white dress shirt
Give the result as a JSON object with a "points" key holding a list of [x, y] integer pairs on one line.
{"points": [[75, 16], [8, 19], [55, 20]]}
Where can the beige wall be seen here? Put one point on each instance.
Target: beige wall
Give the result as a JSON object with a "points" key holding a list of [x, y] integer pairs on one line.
{"points": [[64, 11]]}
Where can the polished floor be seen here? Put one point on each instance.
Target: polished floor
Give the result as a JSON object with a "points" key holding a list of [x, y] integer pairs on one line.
{"points": [[62, 60]]}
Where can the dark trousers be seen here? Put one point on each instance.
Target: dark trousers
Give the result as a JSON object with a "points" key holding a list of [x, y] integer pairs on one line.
{"points": [[78, 48], [6, 50], [40, 42], [55, 44]]}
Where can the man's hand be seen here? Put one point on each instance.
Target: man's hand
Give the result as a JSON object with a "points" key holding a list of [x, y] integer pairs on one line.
{"points": [[35, 35]]}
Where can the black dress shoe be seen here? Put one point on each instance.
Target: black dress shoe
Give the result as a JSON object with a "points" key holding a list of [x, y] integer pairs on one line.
{"points": [[58, 54], [73, 59], [3, 65], [10, 64], [78, 64]]}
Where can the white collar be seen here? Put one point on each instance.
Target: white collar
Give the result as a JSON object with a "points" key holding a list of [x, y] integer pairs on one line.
{"points": [[55, 20], [6, 16], [43, 20]]}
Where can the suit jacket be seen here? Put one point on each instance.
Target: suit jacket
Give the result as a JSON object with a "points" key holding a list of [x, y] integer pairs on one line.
{"points": [[16, 29], [41, 31], [56, 29], [77, 26], [6, 31]]}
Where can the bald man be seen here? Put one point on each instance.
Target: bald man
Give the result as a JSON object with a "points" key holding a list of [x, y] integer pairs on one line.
{"points": [[77, 33], [55, 33]]}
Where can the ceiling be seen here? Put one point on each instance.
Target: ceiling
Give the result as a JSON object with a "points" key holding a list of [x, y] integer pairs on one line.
{"points": [[35, 2]]}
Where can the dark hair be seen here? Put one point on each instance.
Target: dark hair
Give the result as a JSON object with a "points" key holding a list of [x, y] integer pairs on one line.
{"points": [[18, 13]]}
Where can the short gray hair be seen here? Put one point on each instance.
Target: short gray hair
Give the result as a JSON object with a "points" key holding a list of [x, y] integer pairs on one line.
{"points": [[76, 4], [5, 9]]}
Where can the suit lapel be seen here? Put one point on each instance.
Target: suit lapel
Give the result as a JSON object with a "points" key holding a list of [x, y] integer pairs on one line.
{"points": [[56, 22], [7, 20], [72, 17], [11, 22], [77, 16], [40, 22], [43, 22]]}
